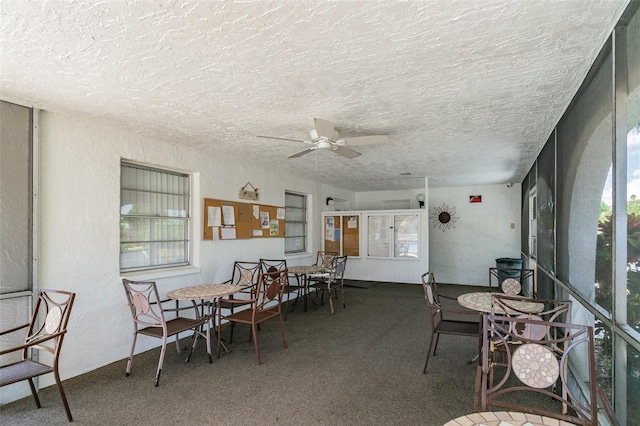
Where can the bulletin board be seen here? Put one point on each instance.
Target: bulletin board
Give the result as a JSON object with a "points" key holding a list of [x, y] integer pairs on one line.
{"points": [[351, 235], [231, 220], [332, 233], [267, 221]]}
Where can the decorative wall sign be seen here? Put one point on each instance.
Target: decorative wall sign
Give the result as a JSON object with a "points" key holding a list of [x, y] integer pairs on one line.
{"points": [[444, 217], [246, 194], [475, 198]]}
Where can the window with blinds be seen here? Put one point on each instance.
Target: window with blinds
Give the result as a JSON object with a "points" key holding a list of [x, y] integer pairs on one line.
{"points": [[295, 240], [154, 218]]}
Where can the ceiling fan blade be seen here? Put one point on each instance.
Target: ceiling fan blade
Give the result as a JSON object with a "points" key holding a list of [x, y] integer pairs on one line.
{"points": [[366, 140], [281, 139], [303, 152], [345, 152], [324, 128]]}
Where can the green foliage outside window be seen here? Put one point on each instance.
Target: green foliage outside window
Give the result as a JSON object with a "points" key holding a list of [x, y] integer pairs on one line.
{"points": [[604, 297]]}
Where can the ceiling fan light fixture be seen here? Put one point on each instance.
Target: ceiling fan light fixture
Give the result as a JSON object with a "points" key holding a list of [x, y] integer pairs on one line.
{"points": [[325, 136]]}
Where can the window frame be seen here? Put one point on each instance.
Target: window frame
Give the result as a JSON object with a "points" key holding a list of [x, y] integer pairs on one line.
{"points": [[288, 234], [187, 237]]}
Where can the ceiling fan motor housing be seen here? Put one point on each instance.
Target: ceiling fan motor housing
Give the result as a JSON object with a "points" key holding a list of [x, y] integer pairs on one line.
{"points": [[313, 134]]}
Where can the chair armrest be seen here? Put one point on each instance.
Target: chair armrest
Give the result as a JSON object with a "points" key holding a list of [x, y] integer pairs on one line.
{"points": [[11, 330], [33, 343]]}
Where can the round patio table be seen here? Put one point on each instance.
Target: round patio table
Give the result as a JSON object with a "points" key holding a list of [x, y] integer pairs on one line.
{"points": [[503, 418]]}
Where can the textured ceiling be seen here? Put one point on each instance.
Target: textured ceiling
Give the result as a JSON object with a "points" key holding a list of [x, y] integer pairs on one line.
{"points": [[468, 91]]}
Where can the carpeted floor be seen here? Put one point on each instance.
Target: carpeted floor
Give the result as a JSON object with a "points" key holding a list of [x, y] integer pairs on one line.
{"points": [[361, 366], [361, 283]]}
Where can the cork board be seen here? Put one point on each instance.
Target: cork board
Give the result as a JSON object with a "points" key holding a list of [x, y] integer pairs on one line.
{"points": [[267, 221], [351, 235], [233, 220], [332, 233]]}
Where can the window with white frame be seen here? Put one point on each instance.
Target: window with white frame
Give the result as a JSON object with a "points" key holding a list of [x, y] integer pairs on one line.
{"points": [[154, 218], [295, 240]]}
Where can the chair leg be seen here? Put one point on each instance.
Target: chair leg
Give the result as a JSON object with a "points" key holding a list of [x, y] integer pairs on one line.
{"points": [[62, 395], [34, 393], [231, 327], [255, 343], [426, 363], [130, 361], [161, 360], [284, 341], [208, 337], [476, 396], [344, 304], [193, 346], [286, 310], [330, 301], [436, 345], [220, 337]]}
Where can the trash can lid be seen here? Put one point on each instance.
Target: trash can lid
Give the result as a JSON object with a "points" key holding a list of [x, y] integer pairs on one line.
{"points": [[508, 259]]}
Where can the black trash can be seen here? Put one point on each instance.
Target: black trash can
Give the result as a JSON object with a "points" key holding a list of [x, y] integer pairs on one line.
{"points": [[503, 263]]}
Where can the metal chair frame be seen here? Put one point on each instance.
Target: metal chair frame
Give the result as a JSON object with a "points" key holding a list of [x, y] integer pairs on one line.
{"points": [[149, 319], [45, 332], [439, 317], [332, 280], [266, 304], [270, 265], [499, 329], [244, 274]]}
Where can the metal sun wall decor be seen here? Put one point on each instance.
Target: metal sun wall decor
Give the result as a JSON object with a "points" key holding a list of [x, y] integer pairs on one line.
{"points": [[444, 217]]}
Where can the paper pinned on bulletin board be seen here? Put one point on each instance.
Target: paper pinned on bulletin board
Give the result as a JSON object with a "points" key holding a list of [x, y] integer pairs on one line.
{"points": [[264, 220], [213, 216], [274, 227], [228, 215], [352, 222], [329, 229], [228, 233]]}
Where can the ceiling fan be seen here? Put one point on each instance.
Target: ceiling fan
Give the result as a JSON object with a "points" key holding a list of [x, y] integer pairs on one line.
{"points": [[325, 137]]}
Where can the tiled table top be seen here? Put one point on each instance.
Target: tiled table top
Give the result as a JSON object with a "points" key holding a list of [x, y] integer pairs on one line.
{"points": [[505, 418], [204, 291], [481, 301]]}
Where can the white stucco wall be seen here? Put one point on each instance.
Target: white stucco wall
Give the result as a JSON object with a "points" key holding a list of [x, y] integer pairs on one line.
{"points": [[484, 232], [79, 229]]}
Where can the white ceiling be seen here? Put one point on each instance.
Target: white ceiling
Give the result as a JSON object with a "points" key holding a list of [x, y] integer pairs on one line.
{"points": [[468, 91]]}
